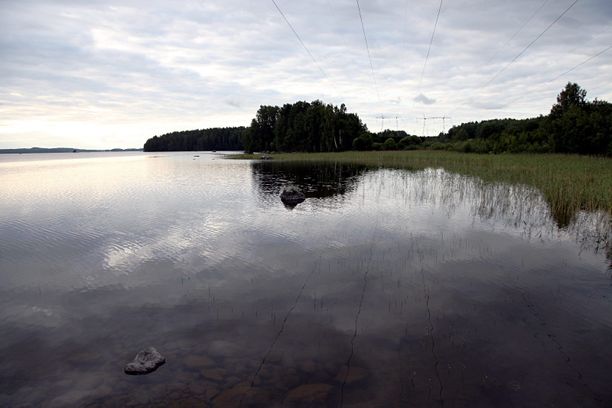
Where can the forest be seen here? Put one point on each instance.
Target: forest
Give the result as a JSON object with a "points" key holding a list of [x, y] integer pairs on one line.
{"points": [[574, 125], [229, 138], [303, 127]]}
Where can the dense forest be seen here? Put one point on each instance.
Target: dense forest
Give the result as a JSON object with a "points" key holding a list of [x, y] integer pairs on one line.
{"points": [[230, 138], [303, 127], [388, 140], [574, 125]]}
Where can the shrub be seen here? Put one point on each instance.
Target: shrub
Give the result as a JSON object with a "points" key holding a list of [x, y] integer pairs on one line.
{"points": [[389, 144]]}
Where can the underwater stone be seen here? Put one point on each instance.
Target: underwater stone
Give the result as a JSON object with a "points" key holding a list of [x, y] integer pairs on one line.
{"points": [[354, 375], [309, 395], [146, 361]]}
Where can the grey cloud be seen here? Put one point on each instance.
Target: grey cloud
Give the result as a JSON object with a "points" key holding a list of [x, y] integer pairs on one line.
{"points": [[233, 103], [156, 65], [423, 99]]}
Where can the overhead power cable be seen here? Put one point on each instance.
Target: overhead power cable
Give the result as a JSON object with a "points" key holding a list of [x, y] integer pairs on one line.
{"points": [[314, 60], [531, 43], [365, 37], [592, 57], [523, 95], [517, 32], [430, 42], [582, 63]]}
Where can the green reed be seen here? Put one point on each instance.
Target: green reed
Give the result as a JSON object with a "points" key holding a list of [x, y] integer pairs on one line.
{"points": [[569, 183]]}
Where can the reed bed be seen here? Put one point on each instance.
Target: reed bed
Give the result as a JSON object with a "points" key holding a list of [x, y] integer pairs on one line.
{"points": [[570, 183]]}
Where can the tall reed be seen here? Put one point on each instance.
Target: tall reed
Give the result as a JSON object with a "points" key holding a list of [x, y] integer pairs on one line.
{"points": [[569, 183]]}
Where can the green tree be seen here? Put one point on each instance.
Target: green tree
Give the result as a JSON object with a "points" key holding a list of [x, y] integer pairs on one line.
{"points": [[389, 144], [304, 126], [571, 95], [363, 142], [409, 141]]}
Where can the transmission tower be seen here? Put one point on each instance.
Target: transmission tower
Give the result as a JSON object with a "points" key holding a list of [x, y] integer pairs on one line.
{"points": [[426, 118], [382, 122]]}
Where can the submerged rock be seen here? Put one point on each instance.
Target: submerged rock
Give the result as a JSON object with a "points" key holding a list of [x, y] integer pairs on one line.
{"points": [[215, 374], [354, 375], [309, 395], [196, 362], [146, 361], [292, 196], [243, 395]]}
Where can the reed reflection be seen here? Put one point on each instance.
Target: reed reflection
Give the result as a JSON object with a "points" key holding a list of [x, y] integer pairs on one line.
{"points": [[520, 208]]}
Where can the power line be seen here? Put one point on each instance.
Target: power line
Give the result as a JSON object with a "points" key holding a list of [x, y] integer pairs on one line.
{"points": [[523, 95], [299, 38], [430, 42], [582, 63], [531, 43], [365, 37], [517, 32]]}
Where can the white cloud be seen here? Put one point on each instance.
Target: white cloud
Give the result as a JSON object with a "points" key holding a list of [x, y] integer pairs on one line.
{"points": [[125, 71]]}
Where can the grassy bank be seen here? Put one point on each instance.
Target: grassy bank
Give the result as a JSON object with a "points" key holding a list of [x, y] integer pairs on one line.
{"points": [[568, 182]]}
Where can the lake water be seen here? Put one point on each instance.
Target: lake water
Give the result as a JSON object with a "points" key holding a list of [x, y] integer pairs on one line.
{"points": [[384, 288]]}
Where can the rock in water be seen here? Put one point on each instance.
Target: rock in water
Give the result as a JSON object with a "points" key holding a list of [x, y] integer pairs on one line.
{"points": [[309, 395], [146, 361], [292, 196]]}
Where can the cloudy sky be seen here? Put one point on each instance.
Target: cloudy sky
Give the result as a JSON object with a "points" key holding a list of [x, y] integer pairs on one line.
{"points": [[102, 74]]}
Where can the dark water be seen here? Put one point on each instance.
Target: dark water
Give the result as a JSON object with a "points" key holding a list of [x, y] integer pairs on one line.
{"points": [[384, 288]]}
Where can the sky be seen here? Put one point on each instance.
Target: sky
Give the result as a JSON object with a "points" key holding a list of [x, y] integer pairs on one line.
{"points": [[104, 74]]}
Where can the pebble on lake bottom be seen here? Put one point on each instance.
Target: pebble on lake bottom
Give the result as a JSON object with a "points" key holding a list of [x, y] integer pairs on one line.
{"points": [[146, 361]]}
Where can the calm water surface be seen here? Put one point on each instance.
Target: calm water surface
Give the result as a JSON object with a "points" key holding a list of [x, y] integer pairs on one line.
{"points": [[384, 288]]}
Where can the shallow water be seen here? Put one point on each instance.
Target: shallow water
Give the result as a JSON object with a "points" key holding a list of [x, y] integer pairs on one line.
{"points": [[383, 288]]}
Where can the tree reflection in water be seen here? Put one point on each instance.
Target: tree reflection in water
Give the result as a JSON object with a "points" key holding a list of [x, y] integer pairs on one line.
{"points": [[520, 207]]}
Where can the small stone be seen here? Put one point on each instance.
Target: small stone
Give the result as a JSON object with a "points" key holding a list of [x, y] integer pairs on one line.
{"points": [[231, 381], [211, 393], [103, 390], [309, 394], [243, 395], [184, 377], [215, 374], [146, 361], [232, 396], [514, 385], [309, 366], [198, 362], [355, 375], [222, 348]]}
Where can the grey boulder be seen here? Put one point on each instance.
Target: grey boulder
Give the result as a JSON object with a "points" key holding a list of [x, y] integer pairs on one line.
{"points": [[146, 361], [292, 196]]}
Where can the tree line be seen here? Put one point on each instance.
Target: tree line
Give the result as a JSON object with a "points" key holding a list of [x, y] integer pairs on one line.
{"points": [[229, 138], [574, 125]]}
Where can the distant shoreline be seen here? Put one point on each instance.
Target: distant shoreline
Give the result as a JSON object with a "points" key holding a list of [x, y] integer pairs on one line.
{"points": [[34, 150]]}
